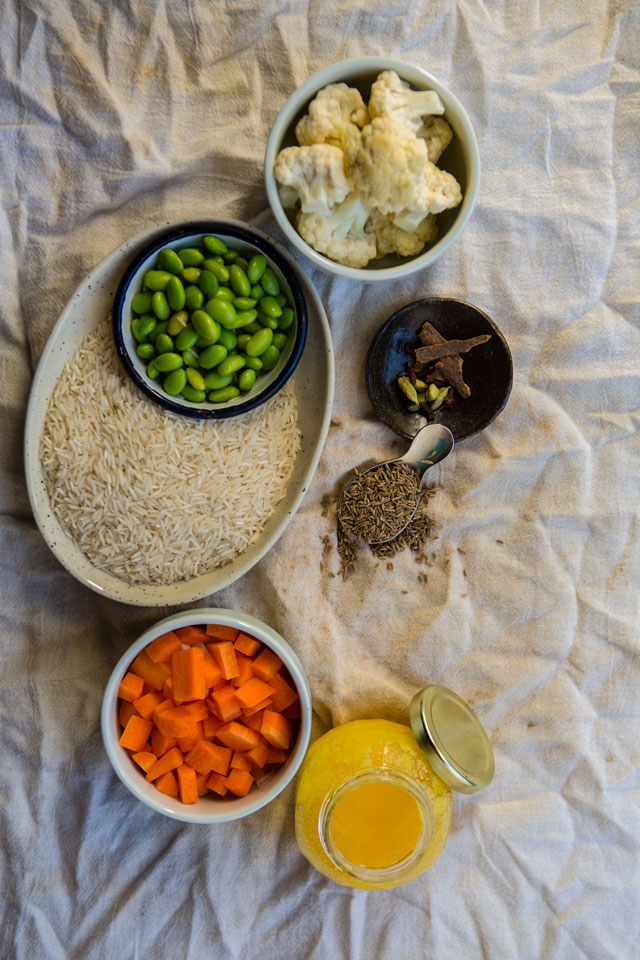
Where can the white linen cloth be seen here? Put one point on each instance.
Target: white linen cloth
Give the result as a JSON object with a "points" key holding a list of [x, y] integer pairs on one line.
{"points": [[116, 116]]}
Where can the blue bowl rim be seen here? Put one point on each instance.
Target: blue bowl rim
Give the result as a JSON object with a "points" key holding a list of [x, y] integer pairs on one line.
{"points": [[248, 235]]}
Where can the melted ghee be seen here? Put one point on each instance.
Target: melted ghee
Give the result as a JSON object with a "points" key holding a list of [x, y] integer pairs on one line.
{"points": [[376, 825]]}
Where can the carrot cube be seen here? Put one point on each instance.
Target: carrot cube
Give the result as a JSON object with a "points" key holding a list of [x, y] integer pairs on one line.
{"points": [[201, 784], [146, 705], [210, 726], [161, 744], [188, 743], [239, 761], [239, 782], [152, 673], [258, 755], [144, 759], [170, 761], [247, 645], [276, 755], [161, 648], [266, 664], [189, 681], [254, 721], [207, 756], [218, 784], [244, 670], [167, 688], [160, 708], [130, 687], [177, 722], [187, 784], [253, 692], [135, 734], [249, 711], [168, 784], [276, 729], [212, 671], [225, 703], [191, 635], [292, 712], [125, 712], [225, 656], [221, 632], [237, 736], [284, 696]]}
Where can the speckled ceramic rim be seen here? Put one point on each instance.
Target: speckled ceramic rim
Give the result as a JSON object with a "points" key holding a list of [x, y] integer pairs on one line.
{"points": [[346, 71], [206, 809], [140, 264]]}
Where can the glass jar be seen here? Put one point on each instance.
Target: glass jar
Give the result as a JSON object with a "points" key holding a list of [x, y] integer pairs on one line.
{"points": [[373, 801]]}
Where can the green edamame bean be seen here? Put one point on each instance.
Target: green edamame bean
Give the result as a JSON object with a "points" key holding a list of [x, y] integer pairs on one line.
{"points": [[270, 306], [241, 262], [190, 393], [282, 299], [279, 340], [194, 297], [157, 279], [164, 343], [187, 338], [135, 330], [190, 358], [146, 350], [175, 382], [208, 283], [195, 379], [141, 303], [244, 303], [213, 380], [267, 321], [177, 322], [169, 260], [201, 343], [285, 321], [257, 266], [257, 292], [230, 256], [152, 370], [212, 356], [259, 342], [220, 272], [160, 327], [228, 339], [254, 363], [205, 325], [243, 340], [252, 327], [222, 311], [239, 280], [166, 362], [145, 325], [214, 245], [191, 256], [269, 283], [244, 317], [160, 305], [230, 365], [270, 357], [246, 380], [191, 274], [221, 396], [225, 293], [175, 293]]}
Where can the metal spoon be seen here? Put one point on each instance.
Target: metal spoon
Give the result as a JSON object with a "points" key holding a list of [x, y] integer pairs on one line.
{"points": [[430, 445]]}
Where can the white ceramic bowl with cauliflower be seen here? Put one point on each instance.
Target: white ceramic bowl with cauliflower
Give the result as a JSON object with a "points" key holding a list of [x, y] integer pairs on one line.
{"points": [[372, 169]]}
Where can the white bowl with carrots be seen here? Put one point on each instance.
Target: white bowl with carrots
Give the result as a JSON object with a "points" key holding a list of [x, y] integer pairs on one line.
{"points": [[207, 716]]}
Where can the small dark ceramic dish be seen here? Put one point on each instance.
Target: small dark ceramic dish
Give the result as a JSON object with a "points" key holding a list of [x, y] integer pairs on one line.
{"points": [[247, 241], [487, 369]]}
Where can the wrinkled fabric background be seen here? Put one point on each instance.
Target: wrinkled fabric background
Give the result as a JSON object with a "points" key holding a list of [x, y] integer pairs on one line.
{"points": [[117, 116]]}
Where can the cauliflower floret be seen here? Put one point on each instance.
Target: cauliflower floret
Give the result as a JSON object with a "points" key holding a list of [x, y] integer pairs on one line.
{"points": [[390, 238], [387, 169], [439, 191], [314, 175], [336, 115], [392, 97], [340, 233], [438, 135]]}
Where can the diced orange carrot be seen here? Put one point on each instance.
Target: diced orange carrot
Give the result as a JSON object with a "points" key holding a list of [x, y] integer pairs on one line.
{"points": [[161, 648], [212, 671], [187, 784], [161, 744], [144, 759], [130, 687], [218, 784], [160, 708], [147, 704], [207, 756], [237, 736], [254, 721], [225, 656], [167, 688], [168, 784], [249, 711], [266, 664], [188, 674], [188, 743], [258, 754], [197, 709], [225, 703], [253, 692], [210, 726], [244, 670], [246, 644], [239, 782], [177, 722], [152, 673], [276, 755], [292, 712], [170, 761], [259, 773], [125, 712], [221, 632], [135, 734], [276, 729], [201, 783], [192, 634], [240, 762], [284, 696]]}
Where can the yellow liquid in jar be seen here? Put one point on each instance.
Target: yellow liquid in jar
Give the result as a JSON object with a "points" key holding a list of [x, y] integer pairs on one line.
{"points": [[376, 825]]}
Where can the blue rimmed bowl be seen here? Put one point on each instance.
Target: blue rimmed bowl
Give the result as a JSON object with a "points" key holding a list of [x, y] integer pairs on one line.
{"points": [[247, 241]]}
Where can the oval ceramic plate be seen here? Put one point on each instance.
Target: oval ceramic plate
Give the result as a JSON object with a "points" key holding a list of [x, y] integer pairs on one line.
{"points": [[313, 381], [487, 369]]}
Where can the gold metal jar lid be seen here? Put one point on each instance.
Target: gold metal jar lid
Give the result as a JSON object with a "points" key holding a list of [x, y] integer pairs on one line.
{"points": [[452, 737]]}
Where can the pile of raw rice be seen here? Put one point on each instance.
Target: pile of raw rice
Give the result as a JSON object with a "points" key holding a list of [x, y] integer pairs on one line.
{"points": [[151, 497]]}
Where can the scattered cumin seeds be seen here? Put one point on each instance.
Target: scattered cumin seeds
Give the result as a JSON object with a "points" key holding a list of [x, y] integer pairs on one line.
{"points": [[378, 503]]}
